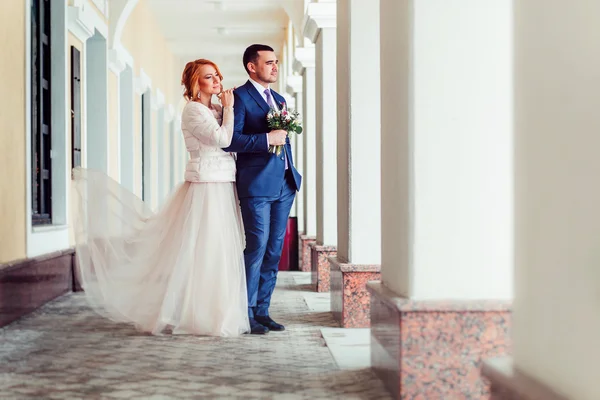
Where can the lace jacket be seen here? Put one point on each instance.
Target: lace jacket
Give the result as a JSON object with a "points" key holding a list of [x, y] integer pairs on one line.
{"points": [[205, 132]]}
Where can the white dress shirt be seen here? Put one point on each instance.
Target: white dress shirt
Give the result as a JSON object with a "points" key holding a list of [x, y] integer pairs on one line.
{"points": [[261, 90]]}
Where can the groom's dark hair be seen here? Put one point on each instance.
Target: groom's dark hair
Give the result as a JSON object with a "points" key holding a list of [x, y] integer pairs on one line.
{"points": [[251, 54]]}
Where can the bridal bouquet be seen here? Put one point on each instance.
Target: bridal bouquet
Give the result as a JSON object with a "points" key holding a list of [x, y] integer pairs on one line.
{"points": [[287, 120]]}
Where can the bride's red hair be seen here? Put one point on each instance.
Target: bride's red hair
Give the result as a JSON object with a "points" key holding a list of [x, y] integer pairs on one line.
{"points": [[191, 75]]}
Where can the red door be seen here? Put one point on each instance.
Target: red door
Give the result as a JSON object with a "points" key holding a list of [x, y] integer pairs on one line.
{"points": [[289, 254]]}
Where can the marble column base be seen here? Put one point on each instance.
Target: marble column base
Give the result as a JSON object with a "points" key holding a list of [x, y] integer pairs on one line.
{"points": [[434, 349], [304, 252], [320, 266], [350, 299], [26, 285], [508, 383]]}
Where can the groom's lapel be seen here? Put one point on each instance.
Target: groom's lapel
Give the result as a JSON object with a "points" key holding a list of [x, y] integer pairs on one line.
{"points": [[278, 98], [257, 97]]}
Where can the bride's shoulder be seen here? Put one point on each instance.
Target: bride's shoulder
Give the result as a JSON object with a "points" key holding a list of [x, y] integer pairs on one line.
{"points": [[194, 107], [194, 111]]}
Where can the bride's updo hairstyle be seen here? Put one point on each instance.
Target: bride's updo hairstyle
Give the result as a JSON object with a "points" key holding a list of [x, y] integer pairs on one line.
{"points": [[191, 76]]}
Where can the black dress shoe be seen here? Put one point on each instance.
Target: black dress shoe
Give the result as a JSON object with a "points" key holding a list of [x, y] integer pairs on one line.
{"points": [[269, 323], [257, 329]]}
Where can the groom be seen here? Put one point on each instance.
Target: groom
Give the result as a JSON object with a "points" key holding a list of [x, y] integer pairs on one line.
{"points": [[266, 183]]}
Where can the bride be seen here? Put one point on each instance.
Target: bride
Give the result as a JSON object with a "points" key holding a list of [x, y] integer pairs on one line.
{"points": [[181, 269]]}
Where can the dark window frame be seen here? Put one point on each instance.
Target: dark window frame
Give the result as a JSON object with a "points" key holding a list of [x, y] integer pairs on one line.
{"points": [[41, 113], [75, 107]]}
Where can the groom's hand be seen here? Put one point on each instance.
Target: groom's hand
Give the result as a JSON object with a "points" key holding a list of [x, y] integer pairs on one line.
{"points": [[277, 137]]}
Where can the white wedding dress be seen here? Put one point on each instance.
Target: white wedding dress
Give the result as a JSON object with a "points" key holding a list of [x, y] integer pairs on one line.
{"points": [[181, 269]]}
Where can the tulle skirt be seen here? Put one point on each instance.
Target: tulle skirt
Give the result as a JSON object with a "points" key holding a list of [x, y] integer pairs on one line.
{"points": [[179, 270]]}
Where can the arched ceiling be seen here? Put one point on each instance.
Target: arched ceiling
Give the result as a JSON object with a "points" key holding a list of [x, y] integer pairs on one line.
{"points": [[220, 30]]}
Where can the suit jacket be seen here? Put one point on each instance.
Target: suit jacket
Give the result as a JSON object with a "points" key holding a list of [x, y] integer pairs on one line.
{"points": [[259, 173]]}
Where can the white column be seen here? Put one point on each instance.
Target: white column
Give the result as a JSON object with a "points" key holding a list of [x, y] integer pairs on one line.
{"points": [[557, 196], [127, 93], [320, 29], [143, 89], [358, 133], [96, 77], [299, 161], [305, 65], [446, 149], [291, 104], [281, 82], [294, 89]]}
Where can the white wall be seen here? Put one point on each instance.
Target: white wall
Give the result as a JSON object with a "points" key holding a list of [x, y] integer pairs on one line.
{"points": [[557, 141]]}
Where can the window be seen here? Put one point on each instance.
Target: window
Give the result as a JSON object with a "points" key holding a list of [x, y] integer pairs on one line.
{"points": [[75, 107], [41, 135]]}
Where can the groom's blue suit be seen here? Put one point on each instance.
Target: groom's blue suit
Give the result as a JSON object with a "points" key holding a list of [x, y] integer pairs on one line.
{"points": [[266, 190]]}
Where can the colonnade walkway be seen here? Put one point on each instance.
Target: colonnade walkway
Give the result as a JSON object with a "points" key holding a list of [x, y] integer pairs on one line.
{"points": [[64, 350]]}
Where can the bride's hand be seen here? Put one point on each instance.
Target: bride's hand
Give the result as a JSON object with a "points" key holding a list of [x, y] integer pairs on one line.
{"points": [[226, 97]]}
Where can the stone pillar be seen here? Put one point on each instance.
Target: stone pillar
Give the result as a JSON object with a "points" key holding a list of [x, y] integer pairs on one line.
{"points": [[446, 165], [320, 29], [359, 164], [304, 65], [557, 197]]}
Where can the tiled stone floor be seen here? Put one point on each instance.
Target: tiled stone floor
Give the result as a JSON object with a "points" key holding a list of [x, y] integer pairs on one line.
{"points": [[66, 351], [350, 347]]}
